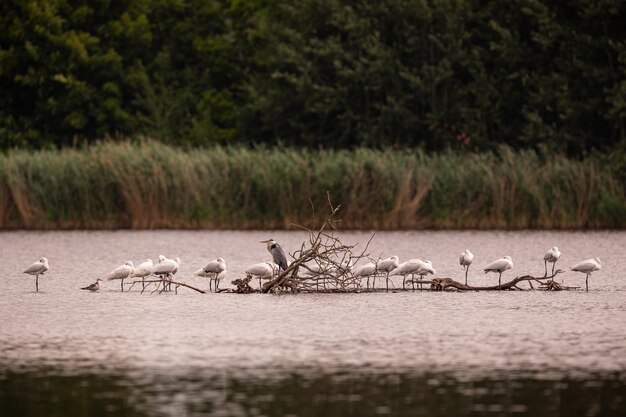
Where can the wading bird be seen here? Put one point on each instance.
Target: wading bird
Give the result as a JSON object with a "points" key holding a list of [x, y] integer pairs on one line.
{"points": [[38, 268], [587, 267], [499, 266], [552, 255], [410, 267], [278, 255], [93, 287], [426, 267], [143, 270], [366, 270], [465, 260], [165, 269], [263, 270], [388, 265], [122, 272], [214, 269]]}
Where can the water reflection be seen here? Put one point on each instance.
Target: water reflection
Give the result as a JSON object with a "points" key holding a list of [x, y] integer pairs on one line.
{"points": [[50, 392]]}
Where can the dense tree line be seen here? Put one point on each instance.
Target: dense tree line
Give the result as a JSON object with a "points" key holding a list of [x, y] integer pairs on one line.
{"points": [[334, 73]]}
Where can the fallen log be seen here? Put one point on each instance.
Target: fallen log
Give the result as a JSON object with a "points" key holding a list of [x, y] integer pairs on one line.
{"points": [[160, 281], [442, 284]]}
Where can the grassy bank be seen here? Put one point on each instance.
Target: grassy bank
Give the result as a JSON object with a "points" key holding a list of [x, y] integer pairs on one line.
{"points": [[150, 185]]}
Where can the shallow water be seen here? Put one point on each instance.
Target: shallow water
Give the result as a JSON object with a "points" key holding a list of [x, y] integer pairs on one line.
{"points": [[70, 352]]}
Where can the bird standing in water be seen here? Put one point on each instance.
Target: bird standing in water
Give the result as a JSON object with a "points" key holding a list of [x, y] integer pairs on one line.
{"points": [[38, 268], [465, 260], [552, 255], [278, 255]]}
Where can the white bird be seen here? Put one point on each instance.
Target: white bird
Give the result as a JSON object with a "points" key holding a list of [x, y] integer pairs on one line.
{"points": [[465, 260], [214, 268], [93, 287], [262, 270], [143, 270], [587, 267], [388, 265], [316, 268], [426, 268], [551, 255], [366, 270], [122, 272], [499, 266], [410, 267], [38, 268], [165, 269], [177, 260]]}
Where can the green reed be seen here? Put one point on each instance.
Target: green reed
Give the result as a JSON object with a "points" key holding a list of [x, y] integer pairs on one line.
{"points": [[150, 185]]}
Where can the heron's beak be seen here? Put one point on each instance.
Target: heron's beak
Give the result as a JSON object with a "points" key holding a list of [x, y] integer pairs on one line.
{"points": [[264, 241]]}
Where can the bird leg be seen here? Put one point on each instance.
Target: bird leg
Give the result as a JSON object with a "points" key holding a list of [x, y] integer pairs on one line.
{"points": [[553, 264], [387, 281], [374, 283], [587, 283], [37, 282], [499, 281], [413, 281], [466, 269], [368, 283], [545, 263], [122, 285]]}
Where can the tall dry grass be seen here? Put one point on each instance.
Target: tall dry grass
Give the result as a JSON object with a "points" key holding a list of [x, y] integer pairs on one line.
{"points": [[151, 185]]}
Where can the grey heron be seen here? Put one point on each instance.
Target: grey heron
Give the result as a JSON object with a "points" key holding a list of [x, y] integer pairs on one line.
{"points": [[122, 272], [465, 260], [587, 267], [278, 255], [388, 265], [95, 286], [38, 268], [551, 255], [499, 266]]}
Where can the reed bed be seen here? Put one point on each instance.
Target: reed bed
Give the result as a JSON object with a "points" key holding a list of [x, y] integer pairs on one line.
{"points": [[147, 184]]}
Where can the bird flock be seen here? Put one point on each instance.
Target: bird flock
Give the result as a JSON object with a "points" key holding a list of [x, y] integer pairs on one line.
{"points": [[165, 269]]}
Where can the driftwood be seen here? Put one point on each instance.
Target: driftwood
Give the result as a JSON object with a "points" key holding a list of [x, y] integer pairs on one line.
{"points": [[325, 250], [165, 282], [442, 284], [243, 285]]}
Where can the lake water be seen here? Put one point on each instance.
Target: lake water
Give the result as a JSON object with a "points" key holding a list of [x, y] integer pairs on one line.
{"points": [[67, 352]]}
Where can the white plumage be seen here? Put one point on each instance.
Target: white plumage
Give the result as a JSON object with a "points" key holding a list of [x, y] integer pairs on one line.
{"points": [[587, 267], [121, 272], [262, 269], [165, 266], [500, 266], [143, 269], [388, 264], [365, 270], [465, 259], [38, 268], [552, 255], [215, 270]]}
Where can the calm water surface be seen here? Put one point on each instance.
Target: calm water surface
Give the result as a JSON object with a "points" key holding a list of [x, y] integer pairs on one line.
{"points": [[69, 352]]}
